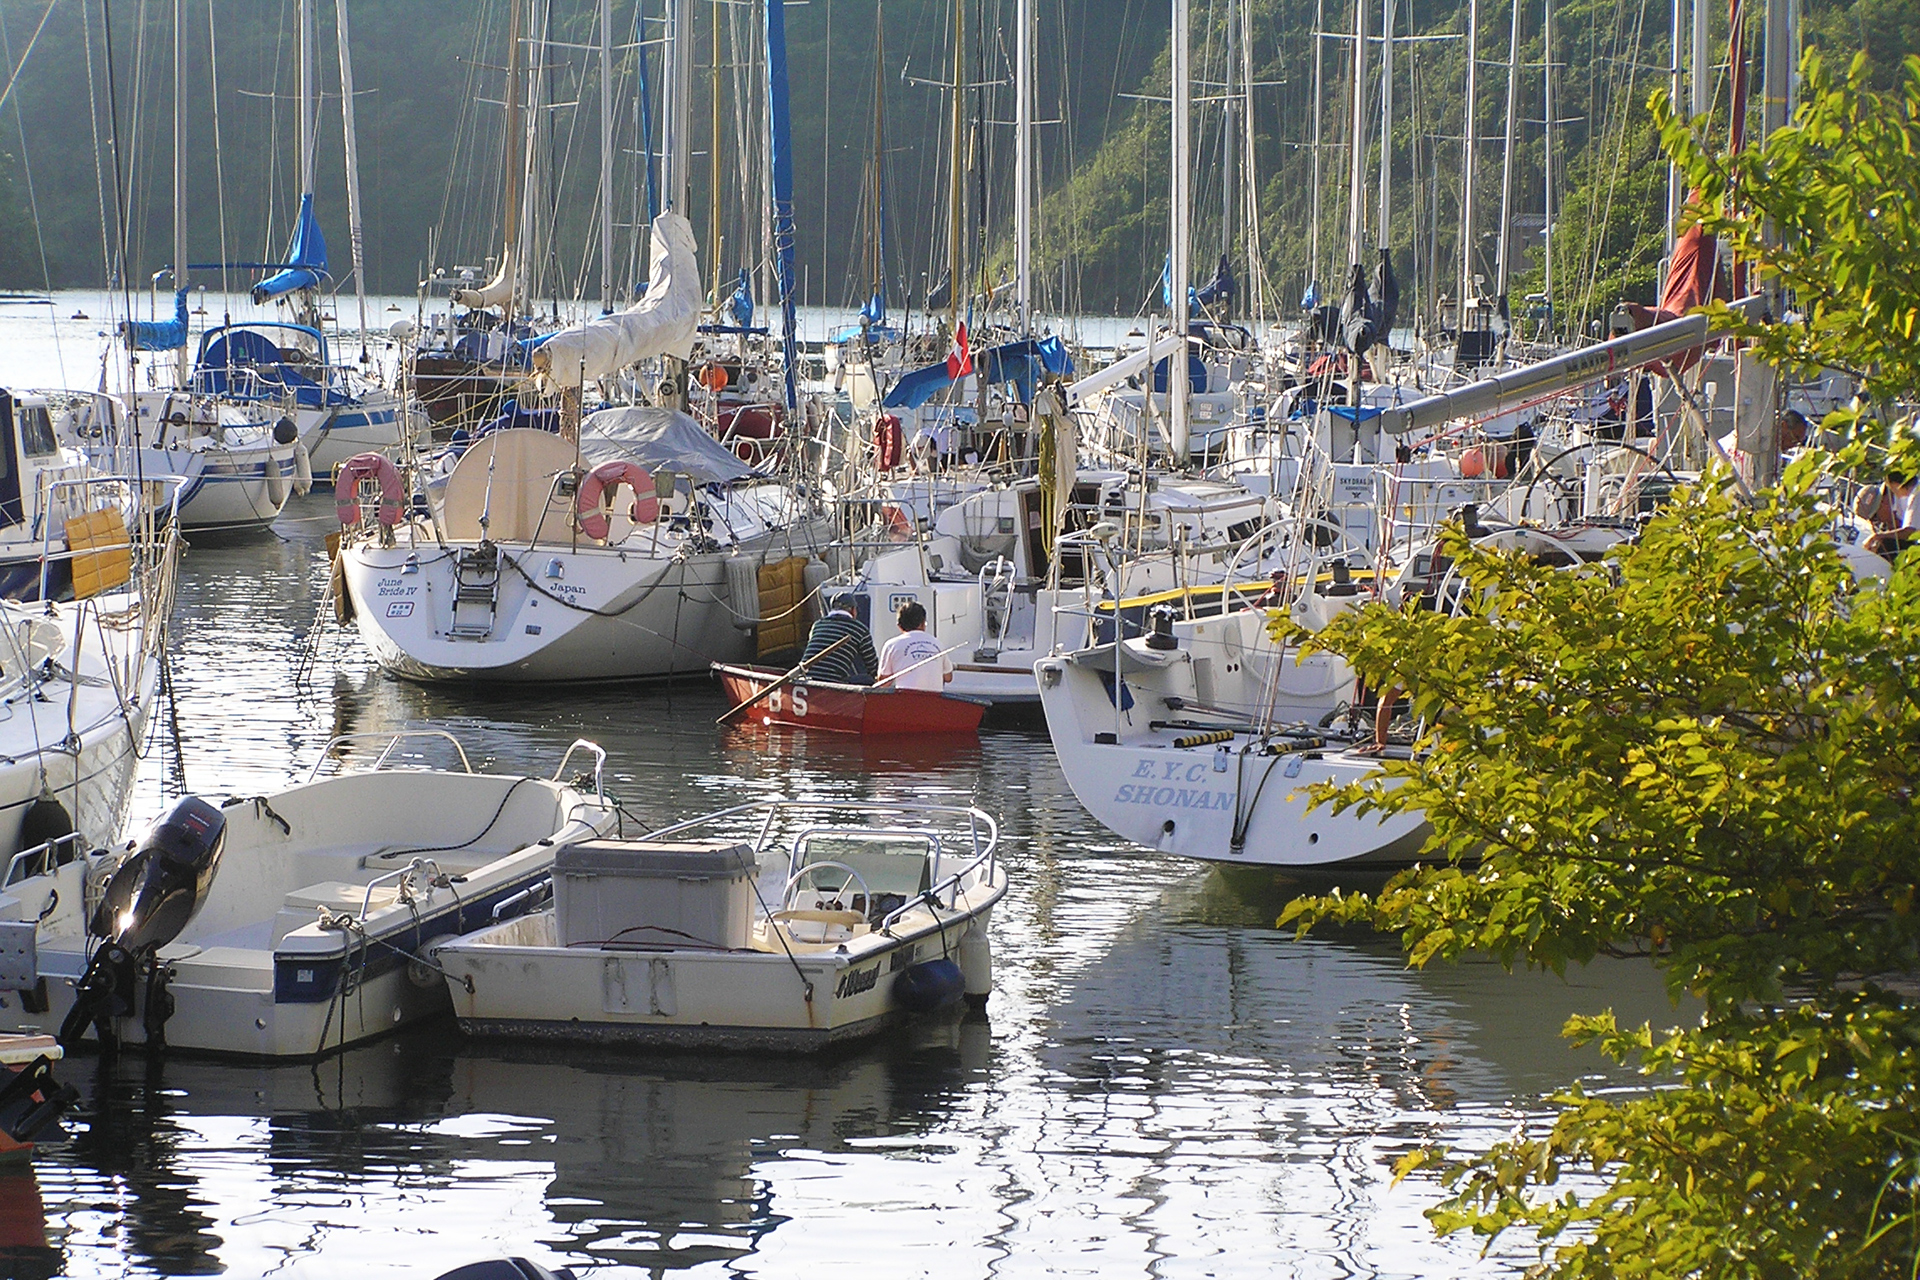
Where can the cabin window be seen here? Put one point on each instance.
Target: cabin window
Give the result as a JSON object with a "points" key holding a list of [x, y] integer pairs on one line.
{"points": [[36, 431]]}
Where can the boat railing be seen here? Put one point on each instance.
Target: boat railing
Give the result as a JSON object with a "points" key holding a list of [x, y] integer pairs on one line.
{"points": [[61, 491], [415, 873], [807, 834], [393, 744], [599, 755], [43, 859], [981, 832]]}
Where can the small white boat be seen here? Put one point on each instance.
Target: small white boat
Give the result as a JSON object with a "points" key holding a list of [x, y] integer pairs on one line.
{"points": [[781, 925], [285, 925]]}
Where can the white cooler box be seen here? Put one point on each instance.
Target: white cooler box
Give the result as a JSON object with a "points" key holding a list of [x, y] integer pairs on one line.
{"points": [[646, 894]]}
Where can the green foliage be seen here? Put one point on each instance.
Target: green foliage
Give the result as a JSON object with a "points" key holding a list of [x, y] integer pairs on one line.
{"points": [[1827, 209], [1704, 753]]}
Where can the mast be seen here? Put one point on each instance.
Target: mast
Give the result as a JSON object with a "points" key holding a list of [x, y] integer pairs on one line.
{"points": [[878, 262], [355, 239], [715, 137], [1357, 139], [1673, 95], [1546, 159], [515, 160], [1179, 213], [1229, 136], [679, 112], [1502, 261], [1023, 167], [1256, 290], [606, 155], [1467, 162], [1386, 123], [1702, 69], [182, 366], [780, 127], [309, 96], [957, 164], [1319, 61]]}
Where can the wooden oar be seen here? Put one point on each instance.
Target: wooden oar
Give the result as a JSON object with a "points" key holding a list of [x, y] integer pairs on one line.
{"points": [[783, 680]]}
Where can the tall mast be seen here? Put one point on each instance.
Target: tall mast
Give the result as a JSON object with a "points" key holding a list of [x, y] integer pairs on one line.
{"points": [[606, 154], [1251, 245], [1502, 262], [679, 112], [1546, 157], [182, 369], [1357, 139], [1467, 161], [1702, 69], [1386, 123], [1229, 135], [1023, 166], [355, 238], [515, 159], [715, 130], [1319, 62], [878, 259], [957, 163], [1179, 214], [309, 96], [1673, 96]]}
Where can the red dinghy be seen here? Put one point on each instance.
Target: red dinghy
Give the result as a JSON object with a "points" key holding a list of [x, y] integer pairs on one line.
{"points": [[846, 708]]}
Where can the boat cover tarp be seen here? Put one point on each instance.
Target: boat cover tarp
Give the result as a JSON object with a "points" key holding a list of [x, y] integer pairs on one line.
{"points": [[660, 324], [223, 359], [159, 335], [1020, 363], [306, 258], [660, 440]]}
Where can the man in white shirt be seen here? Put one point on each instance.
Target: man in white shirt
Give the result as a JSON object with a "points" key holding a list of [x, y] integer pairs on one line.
{"points": [[913, 659]]}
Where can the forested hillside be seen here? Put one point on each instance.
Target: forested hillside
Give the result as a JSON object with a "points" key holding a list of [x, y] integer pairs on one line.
{"points": [[430, 83]]}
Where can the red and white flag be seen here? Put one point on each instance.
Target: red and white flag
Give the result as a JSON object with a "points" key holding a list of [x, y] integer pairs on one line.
{"points": [[959, 359]]}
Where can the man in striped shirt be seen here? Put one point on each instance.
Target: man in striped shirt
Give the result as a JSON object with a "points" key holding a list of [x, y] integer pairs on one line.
{"points": [[853, 662]]}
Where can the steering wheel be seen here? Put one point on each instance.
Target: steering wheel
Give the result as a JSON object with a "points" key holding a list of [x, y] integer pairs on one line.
{"points": [[853, 878]]}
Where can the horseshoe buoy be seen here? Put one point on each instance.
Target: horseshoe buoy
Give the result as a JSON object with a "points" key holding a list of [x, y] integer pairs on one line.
{"points": [[346, 488], [603, 481]]}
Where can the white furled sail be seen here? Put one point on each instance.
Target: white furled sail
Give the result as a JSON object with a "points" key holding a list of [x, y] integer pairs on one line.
{"points": [[493, 292], [660, 324]]}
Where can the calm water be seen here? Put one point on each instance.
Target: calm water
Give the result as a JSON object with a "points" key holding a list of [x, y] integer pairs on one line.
{"points": [[1164, 1084]]}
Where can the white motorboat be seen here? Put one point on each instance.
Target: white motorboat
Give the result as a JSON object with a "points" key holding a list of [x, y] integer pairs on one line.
{"points": [[523, 574], [785, 925], [285, 925]]}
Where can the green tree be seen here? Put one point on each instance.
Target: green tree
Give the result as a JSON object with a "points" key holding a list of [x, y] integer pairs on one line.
{"points": [[1703, 753]]}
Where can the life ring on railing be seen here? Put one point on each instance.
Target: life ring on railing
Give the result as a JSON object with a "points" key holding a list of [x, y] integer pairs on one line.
{"points": [[889, 442], [605, 479], [346, 488]]}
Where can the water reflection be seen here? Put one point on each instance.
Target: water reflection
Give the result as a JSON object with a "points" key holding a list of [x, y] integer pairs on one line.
{"points": [[1168, 1085]]}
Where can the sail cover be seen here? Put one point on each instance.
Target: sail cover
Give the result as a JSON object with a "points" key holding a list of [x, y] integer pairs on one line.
{"points": [[1692, 279], [159, 335], [660, 440], [660, 324], [306, 258]]}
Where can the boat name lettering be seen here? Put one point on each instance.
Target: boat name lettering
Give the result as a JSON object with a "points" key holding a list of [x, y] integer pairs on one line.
{"points": [[567, 588], [854, 981], [1171, 771], [902, 958], [1174, 797], [394, 587]]}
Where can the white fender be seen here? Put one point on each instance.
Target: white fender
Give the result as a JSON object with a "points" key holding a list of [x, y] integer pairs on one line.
{"points": [[302, 469], [276, 482]]}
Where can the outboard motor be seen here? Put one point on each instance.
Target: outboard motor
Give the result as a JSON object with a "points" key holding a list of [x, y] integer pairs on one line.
{"points": [[149, 900]]}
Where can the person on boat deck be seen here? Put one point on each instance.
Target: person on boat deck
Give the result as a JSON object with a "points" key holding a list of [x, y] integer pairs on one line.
{"points": [[1896, 521], [853, 662], [913, 659]]}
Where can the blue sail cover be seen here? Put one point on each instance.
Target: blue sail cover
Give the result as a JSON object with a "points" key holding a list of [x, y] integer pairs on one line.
{"points": [[780, 123], [159, 335], [1020, 363], [741, 304], [306, 258]]}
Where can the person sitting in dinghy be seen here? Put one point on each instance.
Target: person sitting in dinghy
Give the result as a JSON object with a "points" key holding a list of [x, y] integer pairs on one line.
{"points": [[913, 659], [1895, 520], [851, 663]]}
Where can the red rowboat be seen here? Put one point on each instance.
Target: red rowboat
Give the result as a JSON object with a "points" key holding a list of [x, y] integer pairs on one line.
{"points": [[846, 708]]}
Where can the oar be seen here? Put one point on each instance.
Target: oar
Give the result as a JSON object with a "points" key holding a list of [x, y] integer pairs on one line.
{"points": [[783, 680]]}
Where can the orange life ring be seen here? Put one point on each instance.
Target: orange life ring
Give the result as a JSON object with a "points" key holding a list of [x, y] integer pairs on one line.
{"points": [[606, 479], [899, 523], [346, 488]]}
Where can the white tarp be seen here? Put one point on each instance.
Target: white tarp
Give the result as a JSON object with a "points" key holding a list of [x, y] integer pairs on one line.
{"points": [[493, 292], [660, 324]]}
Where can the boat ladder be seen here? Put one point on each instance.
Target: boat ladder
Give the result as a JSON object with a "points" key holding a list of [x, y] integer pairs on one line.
{"points": [[476, 593]]}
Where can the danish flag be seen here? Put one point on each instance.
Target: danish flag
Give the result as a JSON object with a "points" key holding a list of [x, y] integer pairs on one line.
{"points": [[959, 359]]}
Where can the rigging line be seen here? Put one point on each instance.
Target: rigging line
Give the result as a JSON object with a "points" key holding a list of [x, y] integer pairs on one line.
{"points": [[219, 170], [26, 166], [99, 174]]}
